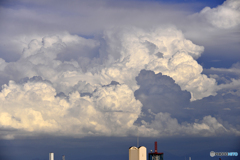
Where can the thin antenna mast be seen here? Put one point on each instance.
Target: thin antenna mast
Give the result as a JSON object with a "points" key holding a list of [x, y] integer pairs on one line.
{"points": [[137, 139]]}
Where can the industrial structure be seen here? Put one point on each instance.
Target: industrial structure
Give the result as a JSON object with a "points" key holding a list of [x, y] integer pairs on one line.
{"points": [[51, 156], [155, 155], [139, 153], [135, 153]]}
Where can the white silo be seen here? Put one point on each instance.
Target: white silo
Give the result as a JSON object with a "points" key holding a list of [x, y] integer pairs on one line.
{"points": [[142, 153], [133, 153], [51, 156]]}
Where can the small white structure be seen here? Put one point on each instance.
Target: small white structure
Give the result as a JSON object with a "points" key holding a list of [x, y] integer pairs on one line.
{"points": [[142, 153], [138, 153], [51, 156], [133, 153]]}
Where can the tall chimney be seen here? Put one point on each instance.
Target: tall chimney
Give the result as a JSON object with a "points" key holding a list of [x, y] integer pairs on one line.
{"points": [[155, 146]]}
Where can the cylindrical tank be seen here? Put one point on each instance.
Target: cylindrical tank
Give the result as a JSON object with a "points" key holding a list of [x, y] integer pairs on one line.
{"points": [[51, 156], [142, 153], [133, 153]]}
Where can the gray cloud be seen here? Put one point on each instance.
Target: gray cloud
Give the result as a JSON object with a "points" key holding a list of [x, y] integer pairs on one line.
{"points": [[89, 18], [160, 94]]}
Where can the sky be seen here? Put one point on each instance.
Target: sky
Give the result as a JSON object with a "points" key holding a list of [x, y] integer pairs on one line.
{"points": [[84, 79]]}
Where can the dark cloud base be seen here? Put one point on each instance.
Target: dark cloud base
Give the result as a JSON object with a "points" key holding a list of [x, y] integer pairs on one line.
{"points": [[103, 148], [160, 93]]}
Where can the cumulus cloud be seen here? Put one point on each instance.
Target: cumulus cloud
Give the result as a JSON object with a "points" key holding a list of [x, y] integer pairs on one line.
{"points": [[165, 125], [70, 85], [224, 16], [34, 107], [159, 93], [227, 78], [234, 69], [118, 56], [165, 51]]}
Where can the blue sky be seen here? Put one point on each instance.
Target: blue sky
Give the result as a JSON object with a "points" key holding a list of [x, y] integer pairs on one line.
{"points": [[211, 4], [84, 78]]}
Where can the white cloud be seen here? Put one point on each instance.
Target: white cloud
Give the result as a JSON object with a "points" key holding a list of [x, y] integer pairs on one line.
{"points": [[120, 57], [2, 64], [83, 69], [231, 85], [224, 16], [33, 107], [140, 50], [165, 125], [234, 69]]}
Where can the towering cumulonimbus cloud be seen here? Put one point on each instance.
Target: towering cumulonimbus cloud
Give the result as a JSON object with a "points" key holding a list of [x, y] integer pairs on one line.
{"points": [[162, 50], [120, 56], [70, 85]]}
